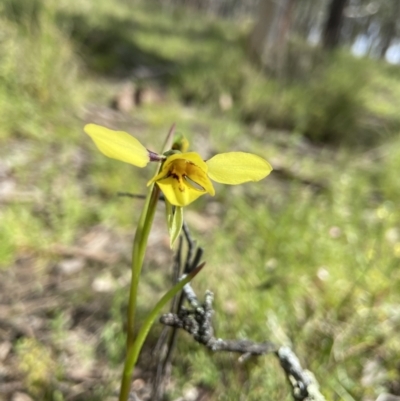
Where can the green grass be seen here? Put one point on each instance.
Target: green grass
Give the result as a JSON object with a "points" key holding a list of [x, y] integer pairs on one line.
{"points": [[310, 260], [322, 278]]}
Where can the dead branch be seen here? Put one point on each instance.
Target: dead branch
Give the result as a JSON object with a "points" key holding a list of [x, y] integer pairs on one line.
{"points": [[197, 321]]}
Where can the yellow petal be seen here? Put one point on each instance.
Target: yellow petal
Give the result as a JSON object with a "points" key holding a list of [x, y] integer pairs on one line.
{"points": [[237, 167], [193, 157], [118, 145], [191, 167], [196, 177], [178, 194], [162, 174]]}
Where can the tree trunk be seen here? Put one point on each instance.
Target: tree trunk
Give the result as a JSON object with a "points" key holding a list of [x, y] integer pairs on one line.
{"points": [[333, 23], [388, 29], [269, 37], [262, 29]]}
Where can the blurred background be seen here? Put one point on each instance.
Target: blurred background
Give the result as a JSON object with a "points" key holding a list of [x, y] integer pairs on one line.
{"points": [[308, 257]]}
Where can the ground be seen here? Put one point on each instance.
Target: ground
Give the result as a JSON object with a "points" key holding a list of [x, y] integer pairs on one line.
{"points": [[308, 257]]}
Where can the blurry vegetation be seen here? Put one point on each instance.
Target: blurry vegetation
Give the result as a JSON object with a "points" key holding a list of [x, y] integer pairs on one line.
{"points": [[324, 98], [38, 367], [37, 70], [310, 257]]}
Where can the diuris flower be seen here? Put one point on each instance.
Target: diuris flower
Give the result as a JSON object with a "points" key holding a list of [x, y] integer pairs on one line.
{"points": [[184, 176]]}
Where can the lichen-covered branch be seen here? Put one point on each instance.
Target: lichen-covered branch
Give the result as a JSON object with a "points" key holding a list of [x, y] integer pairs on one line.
{"points": [[304, 384], [197, 322]]}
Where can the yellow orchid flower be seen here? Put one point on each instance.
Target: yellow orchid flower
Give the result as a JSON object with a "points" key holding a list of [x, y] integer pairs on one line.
{"points": [[184, 176]]}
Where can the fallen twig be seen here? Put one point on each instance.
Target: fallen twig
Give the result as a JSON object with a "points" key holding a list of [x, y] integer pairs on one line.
{"points": [[304, 384], [196, 320]]}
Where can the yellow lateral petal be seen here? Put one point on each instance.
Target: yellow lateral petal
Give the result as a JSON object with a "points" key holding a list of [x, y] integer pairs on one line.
{"points": [[237, 167], [170, 188], [193, 157], [197, 177], [118, 145], [162, 174]]}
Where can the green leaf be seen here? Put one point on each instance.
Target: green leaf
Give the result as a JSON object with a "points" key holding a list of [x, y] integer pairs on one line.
{"points": [[174, 221]]}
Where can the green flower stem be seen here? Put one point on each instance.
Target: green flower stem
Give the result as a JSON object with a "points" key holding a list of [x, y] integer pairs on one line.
{"points": [[133, 352], [139, 249]]}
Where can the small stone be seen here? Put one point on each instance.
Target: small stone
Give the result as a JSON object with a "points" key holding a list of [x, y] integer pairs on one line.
{"points": [[71, 266], [125, 100], [104, 283], [20, 397], [388, 397], [149, 96], [335, 232], [323, 273], [190, 394], [271, 264], [138, 384], [392, 235], [230, 307], [7, 187], [225, 102], [5, 348], [374, 373]]}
